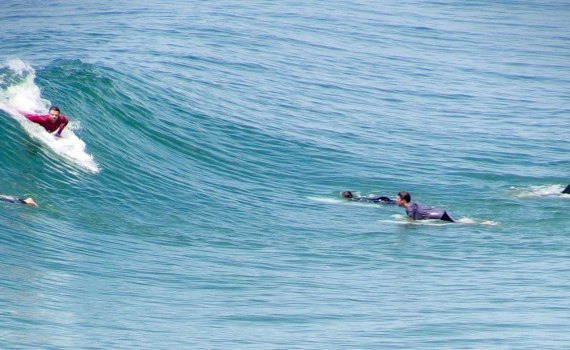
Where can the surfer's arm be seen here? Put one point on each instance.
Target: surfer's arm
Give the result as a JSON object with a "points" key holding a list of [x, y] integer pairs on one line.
{"points": [[411, 211], [36, 118], [62, 126]]}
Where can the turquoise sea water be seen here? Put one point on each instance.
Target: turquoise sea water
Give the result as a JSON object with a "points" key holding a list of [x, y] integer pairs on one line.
{"points": [[199, 208]]}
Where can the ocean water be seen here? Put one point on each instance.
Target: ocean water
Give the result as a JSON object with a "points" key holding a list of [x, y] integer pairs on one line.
{"points": [[195, 203]]}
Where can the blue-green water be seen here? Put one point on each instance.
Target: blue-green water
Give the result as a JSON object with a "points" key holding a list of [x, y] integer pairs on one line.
{"points": [[221, 133]]}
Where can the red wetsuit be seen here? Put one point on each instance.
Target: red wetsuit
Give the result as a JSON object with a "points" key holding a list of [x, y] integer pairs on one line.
{"points": [[44, 121]]}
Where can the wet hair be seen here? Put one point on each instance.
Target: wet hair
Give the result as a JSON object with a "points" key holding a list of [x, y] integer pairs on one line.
{"points": [[346, 194], [405, 196], [54, 108]]}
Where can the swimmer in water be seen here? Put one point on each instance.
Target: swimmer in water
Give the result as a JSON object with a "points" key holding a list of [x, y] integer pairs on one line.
{"points": [[10, 199], [381, 199]]}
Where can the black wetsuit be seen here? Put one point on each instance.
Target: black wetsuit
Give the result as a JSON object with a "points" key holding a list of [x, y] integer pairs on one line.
{"points": [[11, 199], [381, 199]]}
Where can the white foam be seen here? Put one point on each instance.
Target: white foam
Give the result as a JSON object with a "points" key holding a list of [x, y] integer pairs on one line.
{"points": [[469, 221], [325, 200], [403, 219], [535, 191]]}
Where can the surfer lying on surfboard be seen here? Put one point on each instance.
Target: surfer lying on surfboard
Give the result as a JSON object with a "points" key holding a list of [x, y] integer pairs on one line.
{"points": [[416, 211], [10, 199], [381, 199], [51, 122]]}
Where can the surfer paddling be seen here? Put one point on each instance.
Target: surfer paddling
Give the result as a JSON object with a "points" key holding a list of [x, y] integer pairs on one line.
{"points": [[416, 211], [54, 121], [10, 199], [381, 199]]}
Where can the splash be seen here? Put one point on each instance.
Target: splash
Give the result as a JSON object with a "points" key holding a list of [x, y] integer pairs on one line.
{"points": [[326, 200], [403, 219], [470, 221], [536, 191], [18, 92]]}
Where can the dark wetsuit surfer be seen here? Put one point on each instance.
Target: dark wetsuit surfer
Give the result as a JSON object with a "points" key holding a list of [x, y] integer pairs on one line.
{"points": [[567, 190], [11, 199], [381, 199], [416, 211]]}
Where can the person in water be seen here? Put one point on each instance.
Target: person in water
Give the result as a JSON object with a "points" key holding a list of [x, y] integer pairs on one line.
{"points": [[10, 199], [381, 199], [416, 211], [54, 121], [567, 190]]}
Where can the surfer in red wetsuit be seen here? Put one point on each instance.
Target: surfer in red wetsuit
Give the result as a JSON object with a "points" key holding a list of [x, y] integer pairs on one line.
{"points": [[51, 122]]}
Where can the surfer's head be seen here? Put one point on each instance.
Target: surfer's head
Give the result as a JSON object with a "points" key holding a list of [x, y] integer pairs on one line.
{"points": [[403, 198], [346, 194], [53, 113]]}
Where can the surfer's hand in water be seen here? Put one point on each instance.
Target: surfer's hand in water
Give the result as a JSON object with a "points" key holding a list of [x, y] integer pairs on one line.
{"points": [[57, 136]]}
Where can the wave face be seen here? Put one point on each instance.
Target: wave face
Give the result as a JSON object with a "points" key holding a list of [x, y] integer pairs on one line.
{"points": [[199, 205]]}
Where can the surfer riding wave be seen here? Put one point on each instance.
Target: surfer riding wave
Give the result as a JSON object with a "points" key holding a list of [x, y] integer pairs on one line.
{"points": [[54, 121]]}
